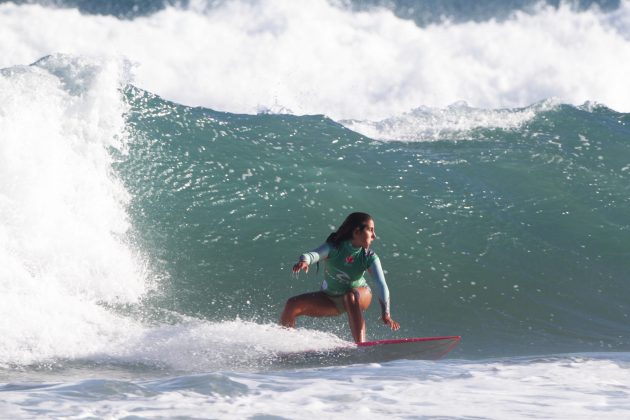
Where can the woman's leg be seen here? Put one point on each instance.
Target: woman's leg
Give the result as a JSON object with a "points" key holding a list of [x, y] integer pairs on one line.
{"points": [[356, 301], [309, 304]]}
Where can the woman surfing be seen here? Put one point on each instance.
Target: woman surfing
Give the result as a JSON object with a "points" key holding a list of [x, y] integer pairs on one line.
{"points": [[348, 256]]}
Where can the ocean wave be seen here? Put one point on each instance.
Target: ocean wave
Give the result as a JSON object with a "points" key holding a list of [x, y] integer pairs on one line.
{"points": [[116, 203], [366, 64], [64, 246]]}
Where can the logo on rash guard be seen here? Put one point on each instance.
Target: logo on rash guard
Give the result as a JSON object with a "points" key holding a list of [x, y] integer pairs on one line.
{"points": [[349, 259], [343, 278]]}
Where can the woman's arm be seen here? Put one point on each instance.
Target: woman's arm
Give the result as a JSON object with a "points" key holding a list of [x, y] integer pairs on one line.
{"points": [[376, 271], [318, 254]]}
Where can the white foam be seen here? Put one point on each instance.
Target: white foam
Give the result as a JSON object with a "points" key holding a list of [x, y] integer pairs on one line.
{"points": [[557, 388], [194, 345], [453, 122], [62, 211], [569, 388], [315, 57]]}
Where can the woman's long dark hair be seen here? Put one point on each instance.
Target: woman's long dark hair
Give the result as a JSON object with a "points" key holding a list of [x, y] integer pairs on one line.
{"points": [[354, 221]]}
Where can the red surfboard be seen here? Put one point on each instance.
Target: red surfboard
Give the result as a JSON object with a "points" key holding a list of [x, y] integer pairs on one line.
{"points": [[420, 348]]}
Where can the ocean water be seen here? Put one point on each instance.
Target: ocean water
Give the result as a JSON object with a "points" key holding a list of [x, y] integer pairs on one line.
{"points": [[163, 164]]}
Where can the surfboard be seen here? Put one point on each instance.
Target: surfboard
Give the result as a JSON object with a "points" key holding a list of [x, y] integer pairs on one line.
{"points": [[419, 348]]}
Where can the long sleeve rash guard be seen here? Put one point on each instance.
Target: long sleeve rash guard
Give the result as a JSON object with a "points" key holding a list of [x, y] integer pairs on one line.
{"points": [[345, 269]]}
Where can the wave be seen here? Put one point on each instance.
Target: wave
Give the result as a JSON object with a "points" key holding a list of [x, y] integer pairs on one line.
{"points": [[346, 63], [76, 287], [63, 211], [137, 229], [534, 387], [510, 225]]}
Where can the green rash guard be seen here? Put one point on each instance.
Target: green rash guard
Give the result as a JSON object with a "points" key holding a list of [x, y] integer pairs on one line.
{"points": [[345, 268]]}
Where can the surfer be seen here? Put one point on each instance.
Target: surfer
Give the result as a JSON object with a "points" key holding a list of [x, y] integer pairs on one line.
{"points": [[347, 255]]}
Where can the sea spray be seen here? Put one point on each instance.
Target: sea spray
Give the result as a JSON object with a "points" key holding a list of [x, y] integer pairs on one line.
{"points": [[63, 250], [320, 58]]}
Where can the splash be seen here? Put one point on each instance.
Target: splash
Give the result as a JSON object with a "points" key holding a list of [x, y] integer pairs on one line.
{"points": [[321, 58], [63, 248]]}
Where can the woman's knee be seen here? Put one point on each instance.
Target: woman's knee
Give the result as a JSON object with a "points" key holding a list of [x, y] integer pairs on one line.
{"points": [[361, 296], [291, 303]]}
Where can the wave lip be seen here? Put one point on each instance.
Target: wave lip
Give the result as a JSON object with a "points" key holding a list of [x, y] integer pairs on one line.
{"points": [[453, 122]]}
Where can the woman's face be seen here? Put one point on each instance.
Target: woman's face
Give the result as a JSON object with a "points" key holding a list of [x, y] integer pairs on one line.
{"points": [[364, 237]]}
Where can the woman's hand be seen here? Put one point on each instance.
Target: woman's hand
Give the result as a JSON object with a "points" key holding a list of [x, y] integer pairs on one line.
{"points": [[387, 320], [301, 265]]}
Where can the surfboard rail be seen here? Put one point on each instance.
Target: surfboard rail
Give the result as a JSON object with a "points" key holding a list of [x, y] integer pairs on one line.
{"points": [[417, 348], [442, 345]]}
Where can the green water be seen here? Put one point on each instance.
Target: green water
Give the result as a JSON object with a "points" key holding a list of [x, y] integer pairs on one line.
{"points": [[515, 239]]}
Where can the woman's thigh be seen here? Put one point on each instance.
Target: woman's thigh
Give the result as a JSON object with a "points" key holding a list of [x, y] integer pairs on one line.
{"points": [[315, 304]]}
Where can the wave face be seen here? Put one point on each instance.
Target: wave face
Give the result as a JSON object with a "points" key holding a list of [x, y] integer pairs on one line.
{"points": [[359, 60], [511, 236]]}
